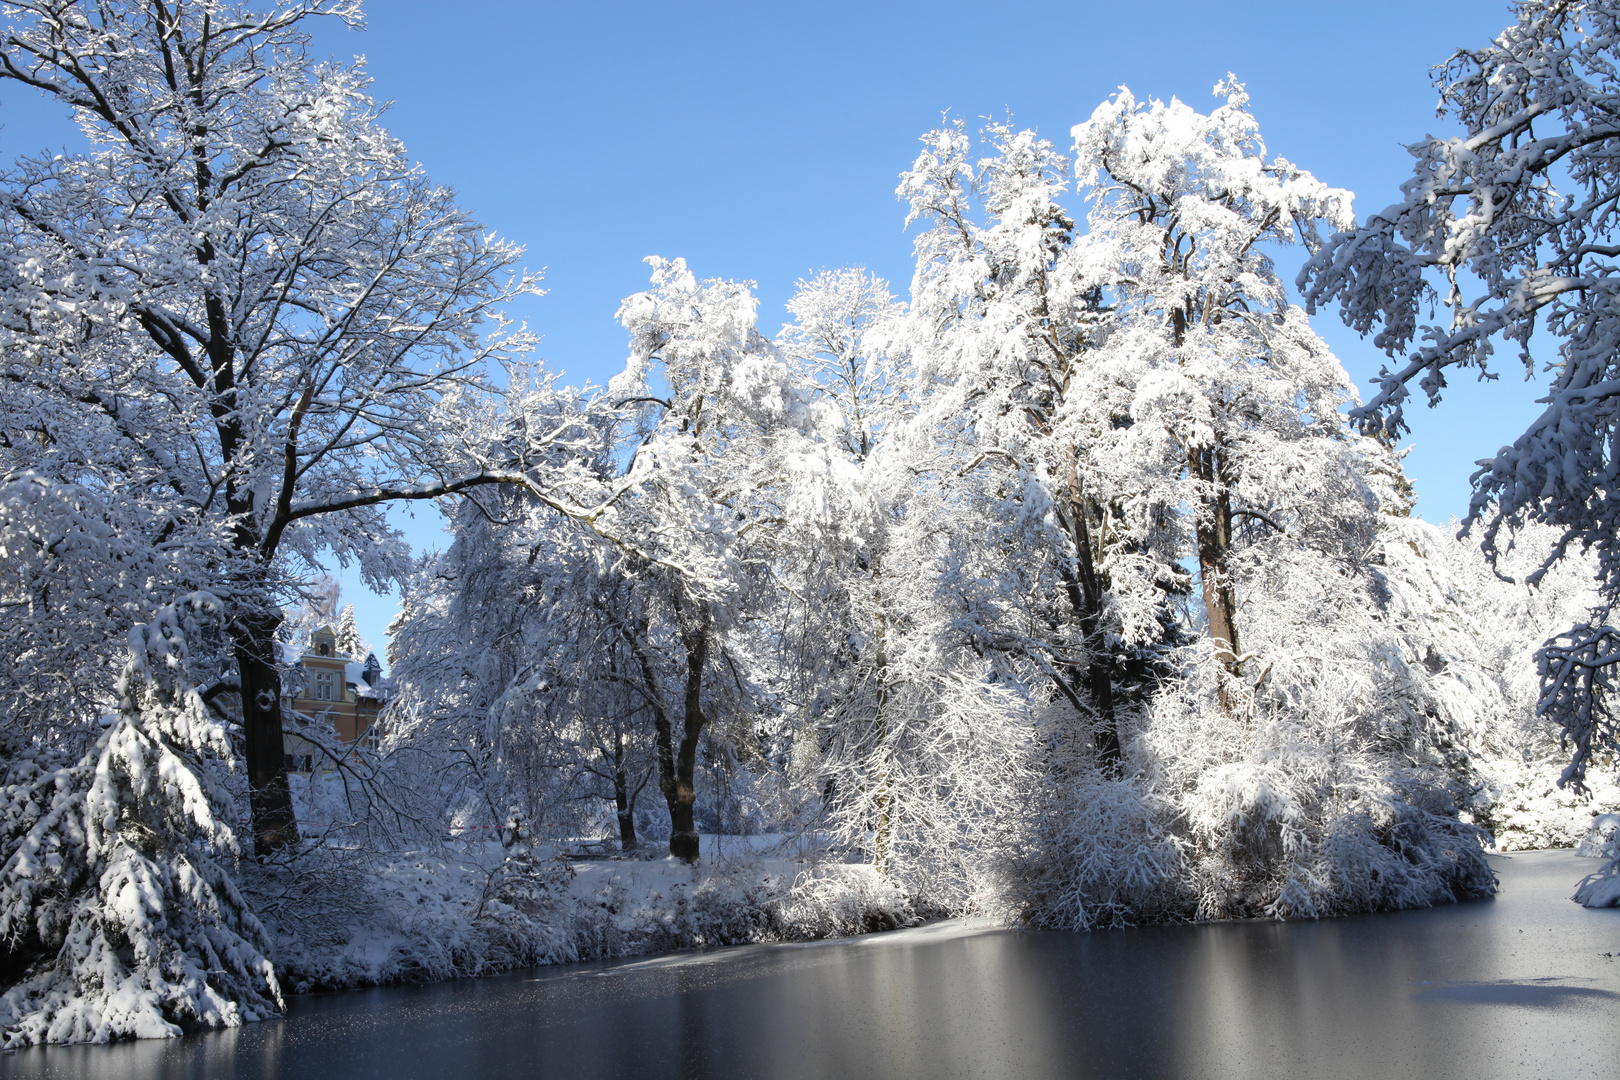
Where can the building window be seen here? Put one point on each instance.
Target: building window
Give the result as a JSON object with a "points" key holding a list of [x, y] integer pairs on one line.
{"points": [[323, 686], [324, 649]]}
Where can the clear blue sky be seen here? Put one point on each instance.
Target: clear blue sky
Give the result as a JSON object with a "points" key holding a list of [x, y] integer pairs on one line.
{"points": [[764, 140]]}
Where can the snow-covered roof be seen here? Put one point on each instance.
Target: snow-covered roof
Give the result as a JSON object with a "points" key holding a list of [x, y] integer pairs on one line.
{"points": [[355, 674]]}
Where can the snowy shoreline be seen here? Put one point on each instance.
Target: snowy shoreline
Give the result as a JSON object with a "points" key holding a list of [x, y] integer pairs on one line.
{"points": [[435, 920], [422, 917]]}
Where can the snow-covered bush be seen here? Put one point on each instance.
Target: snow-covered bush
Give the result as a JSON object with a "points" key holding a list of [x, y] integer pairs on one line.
{"points": [[835, 900], [1476, 633], [343, 917], [1602, 841], [1100, 856], [118, 909], [1311, 804], [665, 905]]}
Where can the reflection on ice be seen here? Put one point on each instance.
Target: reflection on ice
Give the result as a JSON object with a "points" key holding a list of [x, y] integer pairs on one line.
{"points": [[1549, 993]]}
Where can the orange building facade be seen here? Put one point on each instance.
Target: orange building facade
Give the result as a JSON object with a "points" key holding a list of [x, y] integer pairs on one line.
{"points": [[333, 689]]}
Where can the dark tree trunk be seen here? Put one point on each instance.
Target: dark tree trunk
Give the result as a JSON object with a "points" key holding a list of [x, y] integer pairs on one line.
{"points": [[623, 801], [1214, 546], [1085, 592], [677, 765], [680, 789], [269, 797]]}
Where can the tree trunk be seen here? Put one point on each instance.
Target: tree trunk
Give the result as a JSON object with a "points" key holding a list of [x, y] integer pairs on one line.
{"points": [[269, 797], [883, 839], [1214, 545], [623, 802], [1086, 598], [677, 766], [683, 837]]}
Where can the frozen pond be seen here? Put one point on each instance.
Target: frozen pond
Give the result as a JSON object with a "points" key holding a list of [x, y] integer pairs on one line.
{"points": [[1525, 985]]}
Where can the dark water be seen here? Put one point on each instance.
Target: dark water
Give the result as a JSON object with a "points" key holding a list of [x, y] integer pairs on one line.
{"points": [[1525, 985]]}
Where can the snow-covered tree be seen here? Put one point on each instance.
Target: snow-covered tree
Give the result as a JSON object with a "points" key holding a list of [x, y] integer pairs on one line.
{"points": [[75, 576], [697, 483], [1231, 399], [924, 763], [1003, 315], [244, 312], [350, 643], [515, 670], [663, 574], [1508, 225], [1477, 636], [1511, 225], [118, 908], [1118, 402]]}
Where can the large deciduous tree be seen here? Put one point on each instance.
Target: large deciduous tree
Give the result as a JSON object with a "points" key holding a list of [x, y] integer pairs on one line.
{"points": [[242, 316], [1004, 314], [1223, 403], [719, 419]]}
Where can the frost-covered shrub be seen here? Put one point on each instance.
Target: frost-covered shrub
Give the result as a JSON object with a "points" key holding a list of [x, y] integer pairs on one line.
{"points": [[733, 903], [1100, 857], [118, 911], [932, 786], [1602, 841], [1529, 811], [834, 900], [1476, 637], [350, 917], [690, 908], [1312, 786], [1601, 889]]}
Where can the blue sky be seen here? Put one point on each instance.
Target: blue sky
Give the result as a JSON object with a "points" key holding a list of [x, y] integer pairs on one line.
{"points": [[764, 140]]}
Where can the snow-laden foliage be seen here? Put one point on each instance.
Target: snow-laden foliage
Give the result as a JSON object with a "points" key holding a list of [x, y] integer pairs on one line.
{"points": [[75, 576], [1320, 793], [1510, 225], [517, 658], [925, 762], [244, 319], [356, 919], [1601, 889], [651, 906], [1122, 403], [119, 909], [1478, 635], [350, 916]]}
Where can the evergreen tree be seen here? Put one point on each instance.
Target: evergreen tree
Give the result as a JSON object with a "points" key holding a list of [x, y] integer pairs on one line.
{"points": [[119, 913]]}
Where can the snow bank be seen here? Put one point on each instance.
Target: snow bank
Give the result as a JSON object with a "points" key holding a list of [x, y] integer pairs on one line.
{"points": [[1602, 841], [1532, 812]]}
